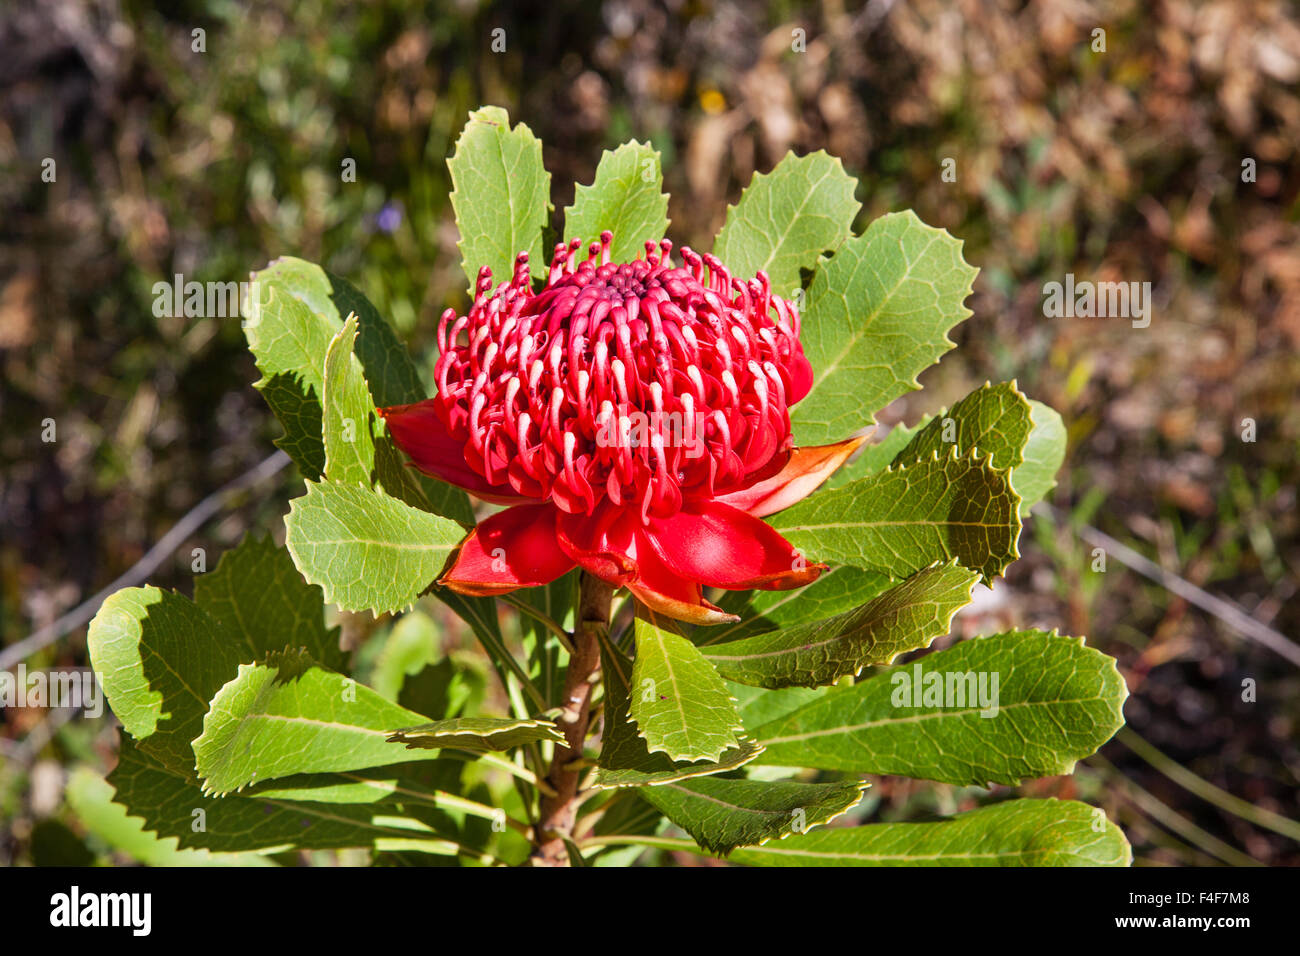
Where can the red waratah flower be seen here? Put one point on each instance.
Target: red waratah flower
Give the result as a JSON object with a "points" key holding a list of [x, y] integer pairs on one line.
{"points": [[635, 416]]}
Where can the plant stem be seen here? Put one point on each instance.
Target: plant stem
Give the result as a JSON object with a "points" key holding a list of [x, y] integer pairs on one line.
{"points": [[559, 811]]}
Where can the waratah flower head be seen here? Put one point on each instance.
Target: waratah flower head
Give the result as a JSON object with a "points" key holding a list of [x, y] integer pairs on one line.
{"points": [[643, 405]]}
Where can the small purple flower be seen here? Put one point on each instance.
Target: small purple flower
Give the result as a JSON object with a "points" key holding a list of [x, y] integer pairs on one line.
{"points": [[389, 217]]}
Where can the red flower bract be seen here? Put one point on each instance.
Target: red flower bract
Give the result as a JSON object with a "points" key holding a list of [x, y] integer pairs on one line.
{"points": [[637, 417]]}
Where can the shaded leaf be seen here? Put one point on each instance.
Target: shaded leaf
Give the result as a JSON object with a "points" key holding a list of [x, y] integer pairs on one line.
{"points": [[288, 341], [263, 603], [904, 618], [992, 421], [91, 798], [160, 658], [721, 814], [171, 804], [838, 589]]}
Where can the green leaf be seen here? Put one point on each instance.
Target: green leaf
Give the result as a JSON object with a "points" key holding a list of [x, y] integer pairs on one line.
{"points": [[390, 375], [288, 716], [389, 368], [899, 521], [303, 308], [365, 549], [878, 313], [904, 618], [476, 733], [1015, 833], [1044, 454], [411, 645], [680, 705], [626, 198], [480, 613], [877, 457], [262, 602], [349, 412], [759, 706], [556, 601], [91, 799], [172, 804], [787, 218], [288, 341], [724, 814], [160, 658], [993, 421], [501, 195], [625, 760], [838, 589], [997, 709]]}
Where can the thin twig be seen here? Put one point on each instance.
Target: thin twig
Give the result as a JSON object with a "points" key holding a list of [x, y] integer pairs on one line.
{"points": [[190, 522], [1224, 610]]}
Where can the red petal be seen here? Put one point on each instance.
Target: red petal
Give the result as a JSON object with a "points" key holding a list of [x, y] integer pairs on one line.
{"points": [[418, 431], [806, 469], [667, 593], [603, 543], [512, 549], [715, 544], [801, 377]]}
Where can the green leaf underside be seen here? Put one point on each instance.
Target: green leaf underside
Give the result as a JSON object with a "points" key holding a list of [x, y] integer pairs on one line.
{"points": [[160, 658], [722, 814], [262, 601], [904, 519], [289, 717], [171, 804], [1044, 453], [837, 589], [1057, 701], [878, 313], [1015, 833], [625, 760], [501, 196], [391, 784], [680, 704], [992, 421], [787, 218], [622, 200], [367, 550], [476, 733], [904, 618]]}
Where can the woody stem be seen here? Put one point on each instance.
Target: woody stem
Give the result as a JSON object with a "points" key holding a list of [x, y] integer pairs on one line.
{"points": [[559, 812]]}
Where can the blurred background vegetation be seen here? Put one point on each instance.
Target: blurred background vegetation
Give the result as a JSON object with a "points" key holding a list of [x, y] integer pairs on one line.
{"points": [[1121, 165]]}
